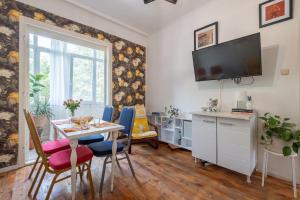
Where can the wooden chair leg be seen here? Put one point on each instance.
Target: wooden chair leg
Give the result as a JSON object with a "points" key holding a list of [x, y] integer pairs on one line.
{"points": [[33, 167], [90, 164], [35, 178], [80, 172], [103, 174], [129, 162], [39, 185], [90, 178], [51, 186]]}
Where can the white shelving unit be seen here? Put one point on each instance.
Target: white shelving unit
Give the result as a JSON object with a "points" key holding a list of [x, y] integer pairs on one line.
{"points": [[176, 131]]}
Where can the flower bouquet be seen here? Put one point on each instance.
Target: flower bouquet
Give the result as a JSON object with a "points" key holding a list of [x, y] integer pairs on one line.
{"points": [[72, 105]]}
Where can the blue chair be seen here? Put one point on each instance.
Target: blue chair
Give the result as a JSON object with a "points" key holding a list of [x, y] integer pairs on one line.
{"points": [[104, 149], [107, 116]]}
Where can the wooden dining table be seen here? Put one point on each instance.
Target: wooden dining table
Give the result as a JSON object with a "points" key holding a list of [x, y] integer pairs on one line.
{"points": [[60, 127]]}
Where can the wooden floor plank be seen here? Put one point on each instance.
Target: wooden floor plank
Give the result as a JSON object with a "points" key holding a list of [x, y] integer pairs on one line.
{"points": [[161, 174]]}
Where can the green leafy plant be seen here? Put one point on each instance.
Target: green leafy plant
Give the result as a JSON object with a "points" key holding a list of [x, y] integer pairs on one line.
{"points": [[42, 108], [35, 84], [280, 128], [38, 107]]}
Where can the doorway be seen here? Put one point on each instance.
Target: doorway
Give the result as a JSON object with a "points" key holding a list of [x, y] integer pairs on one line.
{"points": [[59, 65]]}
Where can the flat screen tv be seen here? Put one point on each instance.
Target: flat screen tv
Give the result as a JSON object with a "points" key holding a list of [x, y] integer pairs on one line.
{"points": [[234, 59]]}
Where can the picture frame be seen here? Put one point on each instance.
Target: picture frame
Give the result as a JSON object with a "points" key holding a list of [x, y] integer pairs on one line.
{"points": [[275, 11], [206, 36]]}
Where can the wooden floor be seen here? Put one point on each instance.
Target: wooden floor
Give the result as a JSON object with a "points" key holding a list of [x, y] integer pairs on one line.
{"points": [[160, 174]]}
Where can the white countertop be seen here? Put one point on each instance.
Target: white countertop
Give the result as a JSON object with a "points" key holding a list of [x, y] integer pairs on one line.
{"points": [[244, 116]]}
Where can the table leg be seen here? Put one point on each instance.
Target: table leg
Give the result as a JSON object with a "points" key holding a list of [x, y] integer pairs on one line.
{"points": [[73, 144], [55, 133], [113, 159]]}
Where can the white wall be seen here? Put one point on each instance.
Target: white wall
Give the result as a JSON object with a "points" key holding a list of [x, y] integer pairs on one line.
{"points": [[170, 75], [70, 11]]}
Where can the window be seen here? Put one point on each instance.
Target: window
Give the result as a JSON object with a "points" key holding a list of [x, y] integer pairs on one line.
{"points": [[72, 70]]}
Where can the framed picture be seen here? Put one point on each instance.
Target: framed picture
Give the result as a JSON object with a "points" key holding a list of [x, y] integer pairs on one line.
{"points": [[206, 36], [275, 11]]}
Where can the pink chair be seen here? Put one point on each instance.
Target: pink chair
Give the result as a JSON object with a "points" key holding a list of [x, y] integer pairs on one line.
{"points": [[58, 163], [50, 148]]}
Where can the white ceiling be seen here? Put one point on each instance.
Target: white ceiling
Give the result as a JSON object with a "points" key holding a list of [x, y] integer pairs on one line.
{"points": [[143, 18]]}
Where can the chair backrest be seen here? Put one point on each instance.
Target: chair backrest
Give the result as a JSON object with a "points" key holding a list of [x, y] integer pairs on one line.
{"points": [[127, 119], [108, 113], [141, 121], [34, 135]]}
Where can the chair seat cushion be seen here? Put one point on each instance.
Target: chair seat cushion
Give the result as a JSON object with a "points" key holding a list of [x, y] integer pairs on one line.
{"points": [[90, 139], [55, 146], [61, 160], [144, 135], [104, 148]]}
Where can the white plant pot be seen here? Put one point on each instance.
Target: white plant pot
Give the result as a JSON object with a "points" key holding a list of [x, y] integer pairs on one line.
{"points": [[40, 121], [277, 145]]}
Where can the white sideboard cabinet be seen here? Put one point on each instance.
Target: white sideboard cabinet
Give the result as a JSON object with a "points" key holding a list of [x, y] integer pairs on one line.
{"points": [[225, 139]]}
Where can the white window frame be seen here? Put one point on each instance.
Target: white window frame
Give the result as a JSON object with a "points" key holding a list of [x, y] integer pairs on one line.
{"points": [[26, 26], [37, 54]]}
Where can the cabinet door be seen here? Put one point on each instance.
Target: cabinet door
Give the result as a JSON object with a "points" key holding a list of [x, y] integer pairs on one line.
{"points": [[204, 138], [233, 144]]}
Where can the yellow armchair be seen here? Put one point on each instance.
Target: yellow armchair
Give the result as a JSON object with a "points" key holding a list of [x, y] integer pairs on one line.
{"points": [[141, 130]]}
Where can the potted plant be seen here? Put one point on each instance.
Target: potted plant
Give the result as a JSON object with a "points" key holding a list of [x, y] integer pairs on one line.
{"points": [[172, 111], [41, 112], [280, 133], [40, 108]]}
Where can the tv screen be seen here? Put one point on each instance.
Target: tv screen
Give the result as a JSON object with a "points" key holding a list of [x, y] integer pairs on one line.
{"points": [[233, 59]]}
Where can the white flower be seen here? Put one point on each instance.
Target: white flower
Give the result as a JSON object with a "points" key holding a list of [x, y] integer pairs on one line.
{"points": [[48, 21], [119, 45], [7, 31], [6, 115], [136, 62], [119, 96], [6, 158], [119, 70], [6, 73], [72, 27]]}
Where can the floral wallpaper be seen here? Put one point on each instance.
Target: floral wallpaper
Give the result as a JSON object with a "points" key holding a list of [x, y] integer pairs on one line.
{"points": [[129, 63]]}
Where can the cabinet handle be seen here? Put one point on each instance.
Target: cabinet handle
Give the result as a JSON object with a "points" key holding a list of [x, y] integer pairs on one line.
{"points": [[226, 124], [207, 121]]}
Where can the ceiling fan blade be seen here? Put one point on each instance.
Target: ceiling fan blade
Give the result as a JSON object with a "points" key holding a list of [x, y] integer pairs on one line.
{"points": [[147, 1], [172, 1]]}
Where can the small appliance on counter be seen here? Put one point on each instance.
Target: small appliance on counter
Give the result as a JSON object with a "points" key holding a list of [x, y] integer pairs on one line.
{"points": [[243, 103]]}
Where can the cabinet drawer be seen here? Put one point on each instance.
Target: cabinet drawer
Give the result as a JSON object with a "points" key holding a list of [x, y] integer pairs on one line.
{"points": [[204, 138], [239, 125]]}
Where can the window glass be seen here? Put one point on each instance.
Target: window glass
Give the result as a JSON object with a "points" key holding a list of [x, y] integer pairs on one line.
{"points": [[80, 50], [44, 42], [45, 70], [82, 79], [100, 82], [31, 39], [100, 54], [31, 61], [84, 68]]}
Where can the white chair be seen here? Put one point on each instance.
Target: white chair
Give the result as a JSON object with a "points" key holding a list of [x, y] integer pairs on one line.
{"points": [[265, 167]]}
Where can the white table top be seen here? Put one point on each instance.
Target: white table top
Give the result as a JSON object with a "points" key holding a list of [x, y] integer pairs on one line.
{"points": [[244, 116], [60, 125]]}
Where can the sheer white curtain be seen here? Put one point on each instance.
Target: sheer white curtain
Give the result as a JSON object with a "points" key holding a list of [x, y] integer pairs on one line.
{"points": [[59, 78]]}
